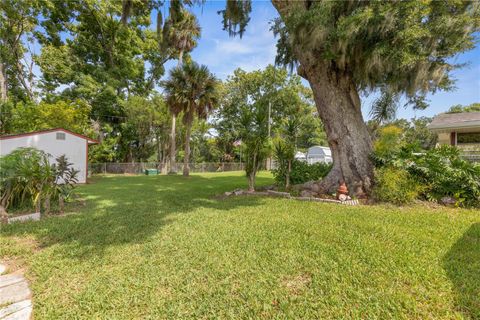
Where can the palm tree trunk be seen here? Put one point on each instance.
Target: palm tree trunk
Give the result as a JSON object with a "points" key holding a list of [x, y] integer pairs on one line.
{"points": [[252, 172], [287, 178], [251, 181], [3, 82], [173, 151], [3, 215], [186, 167]]}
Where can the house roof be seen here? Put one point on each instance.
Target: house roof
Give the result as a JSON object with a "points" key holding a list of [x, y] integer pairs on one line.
{"points": [[13, 136], [464, 120]]}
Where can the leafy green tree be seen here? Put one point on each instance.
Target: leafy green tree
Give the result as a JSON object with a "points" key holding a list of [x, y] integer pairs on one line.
{"points": [[192, 89], [137, 134], [343, 48], [474, 107], [244, 115], [415, 133], [294, 119], [71, 115], [18, 19], [291, 107]]}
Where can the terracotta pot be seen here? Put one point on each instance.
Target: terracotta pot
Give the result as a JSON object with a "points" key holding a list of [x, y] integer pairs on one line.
{"points": [[342, 189]]}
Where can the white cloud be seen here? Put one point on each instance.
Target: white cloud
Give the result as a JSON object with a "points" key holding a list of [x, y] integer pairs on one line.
{"points": [[223, 54]]}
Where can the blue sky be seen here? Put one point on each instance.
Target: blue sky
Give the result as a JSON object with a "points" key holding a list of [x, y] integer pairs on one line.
{"points": [[223, 54]]}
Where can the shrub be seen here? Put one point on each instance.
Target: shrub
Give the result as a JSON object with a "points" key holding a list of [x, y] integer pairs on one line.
{"points": [[441, 170], [389, 141], [302, 172], [27, 178], [23, 174], [395, 185], [447, 174], [285, 155]]}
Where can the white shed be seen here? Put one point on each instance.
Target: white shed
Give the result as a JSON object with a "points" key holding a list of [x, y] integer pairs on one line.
{"points": [[55, 142], [319, 154]]}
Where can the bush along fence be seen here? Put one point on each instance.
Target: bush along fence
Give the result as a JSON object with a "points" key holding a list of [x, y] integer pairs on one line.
{"points": [[140, 167]]}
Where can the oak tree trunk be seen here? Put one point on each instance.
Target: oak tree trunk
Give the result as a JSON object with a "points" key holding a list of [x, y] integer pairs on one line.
{"points": [[186, 167], [338, 105]]}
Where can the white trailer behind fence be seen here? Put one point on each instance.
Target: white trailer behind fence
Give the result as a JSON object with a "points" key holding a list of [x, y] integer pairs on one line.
{"points": [[319, 154]]}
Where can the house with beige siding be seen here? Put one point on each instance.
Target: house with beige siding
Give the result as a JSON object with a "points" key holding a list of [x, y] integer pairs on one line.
{"points": [[459, 129]]}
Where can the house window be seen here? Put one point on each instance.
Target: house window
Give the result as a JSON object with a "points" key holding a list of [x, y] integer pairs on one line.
{"points": [[60, 136], [471, 137]]}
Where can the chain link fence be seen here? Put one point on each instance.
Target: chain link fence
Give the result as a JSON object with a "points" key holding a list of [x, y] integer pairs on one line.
{"points": [[472, 156], [140, 167]]}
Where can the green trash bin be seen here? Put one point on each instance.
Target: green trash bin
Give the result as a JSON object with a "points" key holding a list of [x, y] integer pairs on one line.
{"points": [[151, 172]]}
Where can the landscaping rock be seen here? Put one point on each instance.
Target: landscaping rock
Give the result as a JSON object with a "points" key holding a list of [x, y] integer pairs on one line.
{"points": [[227, 194], [315, 188], [307, 193], [10, 279], [279, 194], [303, 198], [15, 297], [3, 268], [257, 193], [18, 310], [266, 188], [448, 201], [14, 293], [238, 192]]}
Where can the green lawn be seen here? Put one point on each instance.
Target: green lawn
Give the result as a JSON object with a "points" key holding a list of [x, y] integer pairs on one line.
{"points": [[163, 247]]}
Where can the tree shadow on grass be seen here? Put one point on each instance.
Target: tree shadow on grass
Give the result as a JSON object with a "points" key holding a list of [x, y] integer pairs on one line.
{"points": [[123, 210], [462, 264]]}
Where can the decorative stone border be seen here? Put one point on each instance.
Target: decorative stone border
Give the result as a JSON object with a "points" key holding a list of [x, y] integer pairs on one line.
{"points": [[26, 217], [15, 296], [286, 195]]}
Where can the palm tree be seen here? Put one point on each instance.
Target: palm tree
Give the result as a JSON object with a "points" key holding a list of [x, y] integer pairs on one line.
{"points": [[192, 89], [183, 35], [384, 108]]}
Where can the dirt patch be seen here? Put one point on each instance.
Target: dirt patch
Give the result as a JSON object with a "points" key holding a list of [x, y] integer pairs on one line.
{"points": [[297, 284], [29, 243], [13, 266]]}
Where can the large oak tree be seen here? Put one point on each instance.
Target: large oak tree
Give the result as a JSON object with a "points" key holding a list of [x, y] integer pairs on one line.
{"points": [[346, 48]]}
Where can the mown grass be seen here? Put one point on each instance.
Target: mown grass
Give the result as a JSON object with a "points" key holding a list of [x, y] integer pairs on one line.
{"points": [[164, 247]]}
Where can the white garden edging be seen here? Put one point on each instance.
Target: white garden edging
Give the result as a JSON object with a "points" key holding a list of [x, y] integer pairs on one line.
{"points": [[286, 195], [26, 217]]}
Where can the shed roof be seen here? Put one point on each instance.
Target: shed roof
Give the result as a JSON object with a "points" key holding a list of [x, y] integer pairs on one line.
{"points": [[13, 136], [455, 120]]}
